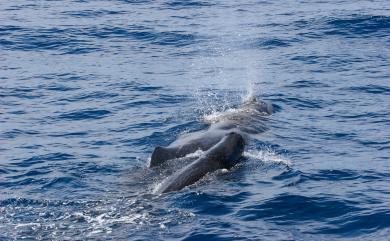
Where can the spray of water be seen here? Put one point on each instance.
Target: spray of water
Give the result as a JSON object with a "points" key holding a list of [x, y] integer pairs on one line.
{"points": [[252, 76], [226, 70]]}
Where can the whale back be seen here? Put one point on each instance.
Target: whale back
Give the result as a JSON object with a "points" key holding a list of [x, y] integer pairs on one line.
{"points": [[228, 151], [248, 120], [225, 154], [182, 147], [160, 155]]}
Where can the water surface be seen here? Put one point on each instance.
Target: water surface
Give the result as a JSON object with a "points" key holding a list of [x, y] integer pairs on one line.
{"points": [[89, 88]]}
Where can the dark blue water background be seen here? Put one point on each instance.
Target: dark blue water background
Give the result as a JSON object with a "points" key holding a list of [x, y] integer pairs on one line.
{"points": [[89, 88]]}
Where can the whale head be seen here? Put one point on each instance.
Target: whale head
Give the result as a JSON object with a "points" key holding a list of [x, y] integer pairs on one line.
{"points": [[161, 154], [253, 103]]}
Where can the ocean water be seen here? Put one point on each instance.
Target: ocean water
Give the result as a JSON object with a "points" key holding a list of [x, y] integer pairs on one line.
{"points": [[89, 88]]}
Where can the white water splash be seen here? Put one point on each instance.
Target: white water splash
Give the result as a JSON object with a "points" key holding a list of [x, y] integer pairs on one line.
{"points": [[268, 156], [102, 223], [157, 187], [218, 116], [197, 153]]}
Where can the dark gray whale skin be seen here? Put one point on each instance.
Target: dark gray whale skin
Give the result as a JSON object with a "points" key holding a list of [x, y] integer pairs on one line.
{"points": [[225, 154], [246, 120], [198, 141]]}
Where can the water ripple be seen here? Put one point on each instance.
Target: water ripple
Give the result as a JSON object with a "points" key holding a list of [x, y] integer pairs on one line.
{"points": [[287, 209], [43, 159], [360, 26], [84, 114], [89, 88]]}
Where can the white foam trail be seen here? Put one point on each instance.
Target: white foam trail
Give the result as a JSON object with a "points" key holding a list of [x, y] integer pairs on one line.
{"points": [[102, 222], [268, 156]]}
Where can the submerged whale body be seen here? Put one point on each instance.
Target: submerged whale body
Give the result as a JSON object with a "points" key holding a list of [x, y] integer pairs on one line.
{"points": [[225, 154]]}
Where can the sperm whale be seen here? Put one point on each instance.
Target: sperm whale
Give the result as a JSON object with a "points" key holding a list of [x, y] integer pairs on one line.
{"points": [[223, 143], [225, 154], [246, 120]]}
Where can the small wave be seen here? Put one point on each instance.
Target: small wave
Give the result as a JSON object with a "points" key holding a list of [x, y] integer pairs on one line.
{"points": [[92, 13], [68, 134], [307, 84], [85, 114], [136, 1], [57, 87], [272, 43], [144, 34], [17, 132], [21, 92], [341, 175], [302, 103], [31, 173], [65, 77], [83, 40], [42, 159], [39, 39], [90, 96], [371, 89], [175, 4], [65, 181], [359, 26], [287, 208], [376, 117]]}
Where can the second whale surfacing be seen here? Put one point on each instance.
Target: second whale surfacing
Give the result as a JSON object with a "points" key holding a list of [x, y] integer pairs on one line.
{"points": [[225, 154], [223, 143]]}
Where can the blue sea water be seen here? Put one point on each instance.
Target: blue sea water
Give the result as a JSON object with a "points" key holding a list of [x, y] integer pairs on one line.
{"points": [[88, 88]]}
